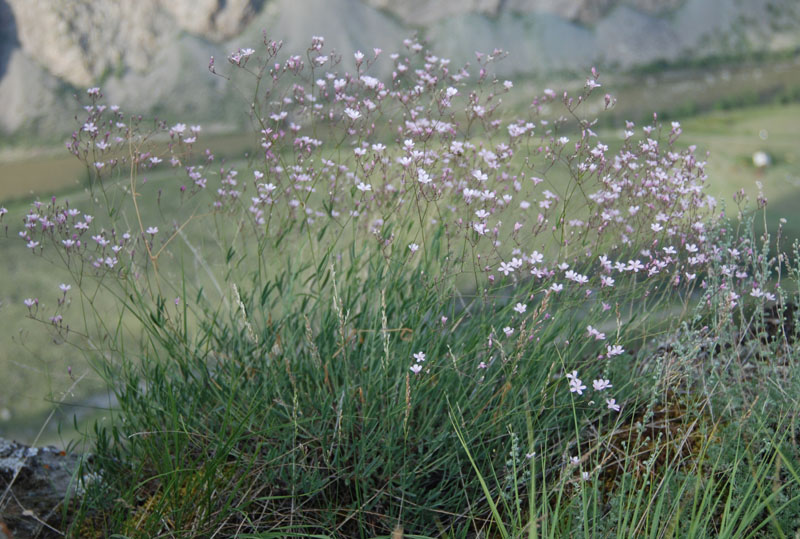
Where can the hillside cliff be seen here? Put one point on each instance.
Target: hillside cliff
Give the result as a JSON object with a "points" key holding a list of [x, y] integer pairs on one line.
{"points": [[152, 54]]}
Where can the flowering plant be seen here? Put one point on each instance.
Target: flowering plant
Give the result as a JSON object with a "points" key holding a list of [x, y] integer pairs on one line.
{"points": [[326, 311]]}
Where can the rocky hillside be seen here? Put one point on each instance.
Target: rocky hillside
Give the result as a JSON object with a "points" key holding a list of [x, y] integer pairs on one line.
{"points": [[152, 54]]}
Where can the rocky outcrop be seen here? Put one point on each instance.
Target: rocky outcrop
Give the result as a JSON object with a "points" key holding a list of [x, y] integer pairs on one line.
{"points": [[216, 19], [34, 484], [80, 41]]}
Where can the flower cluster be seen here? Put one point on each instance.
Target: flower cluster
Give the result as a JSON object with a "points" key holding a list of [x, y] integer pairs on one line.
{"points": [[533, 206]]}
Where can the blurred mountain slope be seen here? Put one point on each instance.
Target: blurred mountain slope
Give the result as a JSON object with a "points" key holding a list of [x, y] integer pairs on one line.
{"points": [[151, 55]]}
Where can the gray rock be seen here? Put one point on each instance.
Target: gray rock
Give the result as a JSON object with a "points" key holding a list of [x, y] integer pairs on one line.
{"points": [[34, 484]]}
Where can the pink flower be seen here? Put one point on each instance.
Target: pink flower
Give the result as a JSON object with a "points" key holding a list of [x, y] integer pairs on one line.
{"points": [[595, 333]]}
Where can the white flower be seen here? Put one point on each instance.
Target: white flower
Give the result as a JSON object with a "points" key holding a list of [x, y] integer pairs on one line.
{"points": [[505, 268], [152, 230], [423, 177], [577, 277], [479, 175], [64, 287], [601, 384], [508, 331], [352, 113], [369, 82], [419, 357], [634, 266], [576, 386], [413, 247], [415, 368], [612, 404], [615, 350], [520, 308]]}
